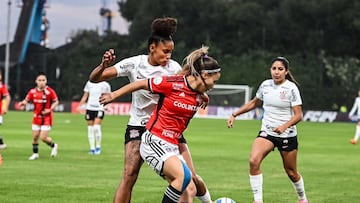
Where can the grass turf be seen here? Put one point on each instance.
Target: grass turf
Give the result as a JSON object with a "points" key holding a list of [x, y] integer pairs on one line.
{"points": [[329, 164]]}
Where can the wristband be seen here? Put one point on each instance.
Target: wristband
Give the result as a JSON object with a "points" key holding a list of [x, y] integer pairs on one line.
{"points": [[233, 115]]}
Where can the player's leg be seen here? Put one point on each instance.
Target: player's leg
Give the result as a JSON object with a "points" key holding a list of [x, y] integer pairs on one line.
{"points": [[132, 164], [44, 136], [35, 142], [289, 158], [260, 149], [97, 131], [201, 191], [169, 164], [89, 117], [179, 176], [2, 144], [357, 134]]}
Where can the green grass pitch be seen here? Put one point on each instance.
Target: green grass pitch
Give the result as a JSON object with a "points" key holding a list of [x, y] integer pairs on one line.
{"points": [[329, 164]]}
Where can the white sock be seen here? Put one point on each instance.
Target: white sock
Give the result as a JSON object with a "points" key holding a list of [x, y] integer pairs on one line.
{"points": [[357, 133], [91, 137], [300, 189], [98, 135], [206, 198], [256, 182]]}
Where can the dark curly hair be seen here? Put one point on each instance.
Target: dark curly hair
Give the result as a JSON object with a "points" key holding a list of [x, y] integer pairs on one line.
{"points": [[162, 29]]}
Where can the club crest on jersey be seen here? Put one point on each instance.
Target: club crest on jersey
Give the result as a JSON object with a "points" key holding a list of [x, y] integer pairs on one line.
{"points": [[157, 80], [282, 95]]}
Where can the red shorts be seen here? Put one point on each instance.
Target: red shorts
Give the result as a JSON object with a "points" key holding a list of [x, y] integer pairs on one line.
{"points": [[44, 120]]}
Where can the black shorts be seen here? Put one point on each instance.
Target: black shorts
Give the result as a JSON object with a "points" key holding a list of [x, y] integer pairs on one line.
{"points": [[283, 144], [135, 132], [91, 115]]}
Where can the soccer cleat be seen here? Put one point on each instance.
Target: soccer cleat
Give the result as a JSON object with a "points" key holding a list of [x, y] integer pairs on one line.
{"points": [[91, 151], [34, 156], [2, 146], [353, 141], [303, 201], [54, 150], [98, 151]]}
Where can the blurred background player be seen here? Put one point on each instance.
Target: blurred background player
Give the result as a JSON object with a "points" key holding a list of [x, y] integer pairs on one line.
{"points": [[44, 99], [356, 110], [4, 106], [95, 112]]}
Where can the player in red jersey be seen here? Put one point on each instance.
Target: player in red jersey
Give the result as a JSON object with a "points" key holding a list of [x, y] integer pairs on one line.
{"points": [[179, 99], [4, 105], [45, 100]]}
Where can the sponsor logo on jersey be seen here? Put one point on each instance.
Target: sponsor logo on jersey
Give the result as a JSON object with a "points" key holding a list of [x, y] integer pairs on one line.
{"points": [[182, 94], [185, 106], [134, 133]]}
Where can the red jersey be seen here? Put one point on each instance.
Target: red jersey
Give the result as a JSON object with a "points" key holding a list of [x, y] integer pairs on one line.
{"points": [[3, 93], [42, 100], [177, 104]]}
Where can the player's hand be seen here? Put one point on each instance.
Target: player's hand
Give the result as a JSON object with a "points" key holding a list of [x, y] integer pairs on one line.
{"points": [[205, 101], [105, 98], [46, 111], [230, 121], [279, 130], [108, 58], [21, 105]]}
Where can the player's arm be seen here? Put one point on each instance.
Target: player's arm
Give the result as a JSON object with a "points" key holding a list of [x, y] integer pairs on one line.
{"points": [[104, 71], [106, 98], [83, 101], [6, 102], [243, 109], [293, 121]]}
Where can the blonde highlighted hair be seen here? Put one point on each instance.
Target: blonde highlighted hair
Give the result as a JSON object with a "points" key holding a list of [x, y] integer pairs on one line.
{"points": [[199, 61]]}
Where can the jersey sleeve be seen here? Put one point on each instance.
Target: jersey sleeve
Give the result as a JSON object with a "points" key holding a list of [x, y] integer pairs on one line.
{"points": [[53, 95], [124, 67], [29, 95], [259, 92], [295, 96], [87, 87], [160, 85]]}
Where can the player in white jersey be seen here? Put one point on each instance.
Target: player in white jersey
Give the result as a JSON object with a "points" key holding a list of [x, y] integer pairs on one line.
{"points": [[95, 112], [157, 63], [281, 101], [355, 110]]}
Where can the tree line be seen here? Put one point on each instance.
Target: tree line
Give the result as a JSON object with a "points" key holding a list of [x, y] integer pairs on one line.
{"points": [[319, 37]]}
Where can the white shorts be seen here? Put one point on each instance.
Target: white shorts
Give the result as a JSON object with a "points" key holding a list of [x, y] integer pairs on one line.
{"points": [[41, 127], [1, 120], [155, 151]]}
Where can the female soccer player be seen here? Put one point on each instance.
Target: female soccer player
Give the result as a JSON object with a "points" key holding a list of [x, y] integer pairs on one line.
{"points": [[158, 62], [179, 98], [95, 113], [356, 110], [281, 101], [45, 100]]}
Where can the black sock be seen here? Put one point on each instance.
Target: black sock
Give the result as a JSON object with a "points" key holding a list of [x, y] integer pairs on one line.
{"points": [[171, 195], [36, 148], [1, 140], [52, 144]]}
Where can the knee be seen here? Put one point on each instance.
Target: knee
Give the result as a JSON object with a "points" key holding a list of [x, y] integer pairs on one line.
{"points": [[293, 175], [254, 163], [191, 189]]}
